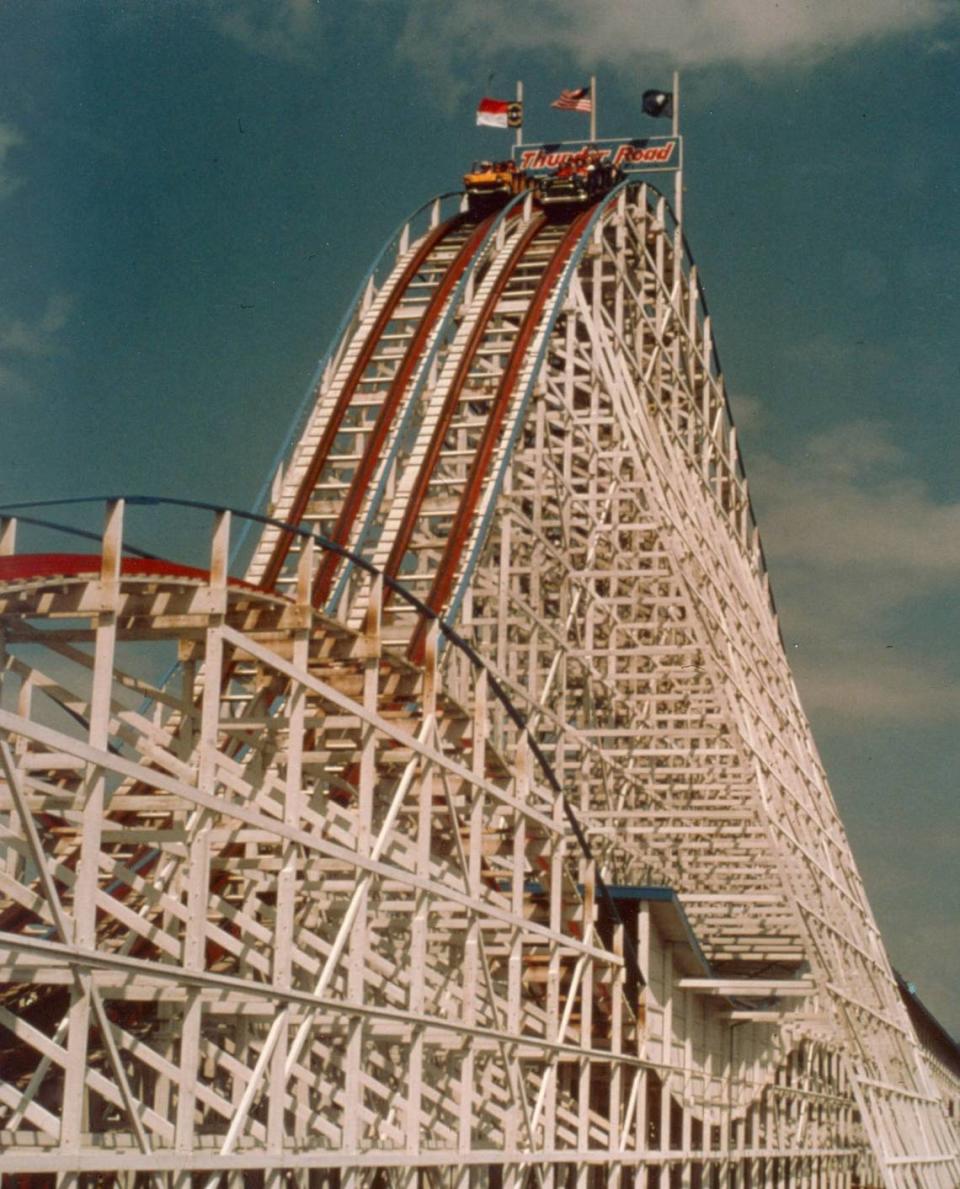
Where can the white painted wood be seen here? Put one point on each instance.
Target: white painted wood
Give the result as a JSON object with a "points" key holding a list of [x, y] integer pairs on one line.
{"points": [[320, 911]]}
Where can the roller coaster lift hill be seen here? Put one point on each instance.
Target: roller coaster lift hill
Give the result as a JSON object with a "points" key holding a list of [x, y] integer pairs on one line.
{"points": [[479, 839]]}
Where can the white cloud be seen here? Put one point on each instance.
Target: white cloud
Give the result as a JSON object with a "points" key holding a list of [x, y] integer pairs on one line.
{"points": [[20, 337], [842, 500], [691, 33], [827, 349], [287, 30], [23, 342], [14, 386], [748, 411], [862, 684], [942, 46], [10, 139], [861, 552]]}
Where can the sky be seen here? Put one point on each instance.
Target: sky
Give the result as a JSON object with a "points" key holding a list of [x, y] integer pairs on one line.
{"points": [[191, 192]]}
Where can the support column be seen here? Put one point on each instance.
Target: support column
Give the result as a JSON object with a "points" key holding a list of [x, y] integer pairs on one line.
{"points": [[91, 803]]}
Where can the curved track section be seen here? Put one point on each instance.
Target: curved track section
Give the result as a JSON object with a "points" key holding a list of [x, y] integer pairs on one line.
{"points": [[354, 900]]}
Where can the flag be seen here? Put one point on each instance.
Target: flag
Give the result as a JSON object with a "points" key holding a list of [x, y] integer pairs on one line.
{"points": [[500, 113], [579, 100], [658, 103]]}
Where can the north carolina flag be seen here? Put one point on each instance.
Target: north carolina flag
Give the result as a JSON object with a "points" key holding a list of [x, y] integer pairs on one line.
{"points": [[493, 112]]}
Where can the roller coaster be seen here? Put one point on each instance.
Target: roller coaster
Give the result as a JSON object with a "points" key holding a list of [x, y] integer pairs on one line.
{"points": [[475, 835]]}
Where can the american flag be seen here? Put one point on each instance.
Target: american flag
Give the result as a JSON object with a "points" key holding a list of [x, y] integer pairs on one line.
{"points": [[578, 100]]}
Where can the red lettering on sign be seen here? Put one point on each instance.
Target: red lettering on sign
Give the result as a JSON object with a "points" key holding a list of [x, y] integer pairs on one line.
{"points": [[638, 155], [628, 154]]}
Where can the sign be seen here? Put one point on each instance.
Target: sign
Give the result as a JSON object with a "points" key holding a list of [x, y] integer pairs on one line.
{"points": [[647, 154]]}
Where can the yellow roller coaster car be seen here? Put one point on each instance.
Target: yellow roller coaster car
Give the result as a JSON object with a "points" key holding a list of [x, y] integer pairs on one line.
{"points": [[490, 184]]}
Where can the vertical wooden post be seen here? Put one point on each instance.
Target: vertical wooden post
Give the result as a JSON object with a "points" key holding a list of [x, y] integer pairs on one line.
{"points": [[92, 803]]}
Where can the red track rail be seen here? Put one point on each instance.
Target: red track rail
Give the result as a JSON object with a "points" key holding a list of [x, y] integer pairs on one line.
{"points": [[418, 492], [28, 567], [332, 428], [363, 475], [463, 519]]}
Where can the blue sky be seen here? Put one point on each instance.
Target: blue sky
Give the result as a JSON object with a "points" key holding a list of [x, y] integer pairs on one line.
{"points": [[190, 193]]}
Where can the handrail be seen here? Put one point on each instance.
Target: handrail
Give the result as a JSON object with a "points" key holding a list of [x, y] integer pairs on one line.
{"points": [[344, 394], [298, 420], [448, 322]]}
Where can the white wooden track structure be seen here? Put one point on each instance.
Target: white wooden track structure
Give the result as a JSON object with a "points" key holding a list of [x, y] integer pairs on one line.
{"points": [[353, 900]]}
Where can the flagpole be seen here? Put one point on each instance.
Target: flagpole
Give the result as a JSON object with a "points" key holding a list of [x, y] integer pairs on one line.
{"points": [[678, 176], [519, 134], [593, 107]]}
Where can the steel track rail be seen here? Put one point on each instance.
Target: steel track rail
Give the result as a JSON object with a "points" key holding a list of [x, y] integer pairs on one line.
{"points": [[493, 489]]}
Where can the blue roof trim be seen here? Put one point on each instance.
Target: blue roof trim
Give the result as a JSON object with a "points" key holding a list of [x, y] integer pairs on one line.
{"points": [[658, 894], [625, 892]]}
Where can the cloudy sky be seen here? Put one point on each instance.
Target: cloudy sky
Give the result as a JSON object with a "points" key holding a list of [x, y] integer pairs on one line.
{"points": [[191, 191]]}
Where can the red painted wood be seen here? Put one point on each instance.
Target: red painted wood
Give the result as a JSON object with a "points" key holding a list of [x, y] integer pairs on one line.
{"points": [[378, 435], [443, 579], [419, 491], [23, 567], [332, 428]]}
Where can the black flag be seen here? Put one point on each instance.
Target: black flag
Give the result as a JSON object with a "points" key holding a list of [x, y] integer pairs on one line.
{"points": [[658, 103]]}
